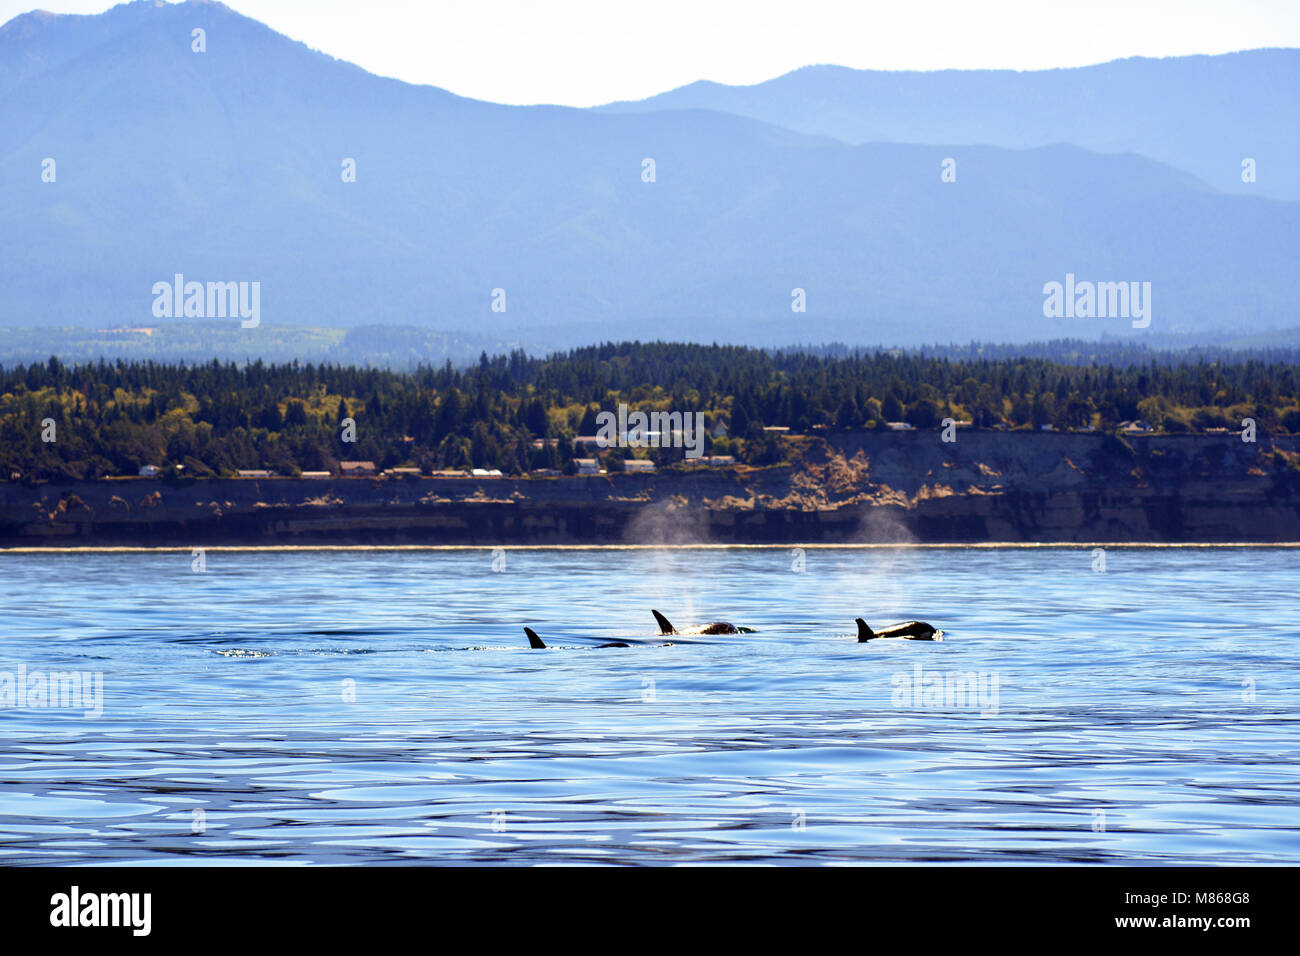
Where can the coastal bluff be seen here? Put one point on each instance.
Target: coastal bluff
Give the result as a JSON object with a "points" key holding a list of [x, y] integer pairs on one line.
{"points": [[839, 487]]}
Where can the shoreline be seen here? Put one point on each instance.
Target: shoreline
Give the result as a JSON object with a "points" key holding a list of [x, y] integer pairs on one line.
{"points": [[808, 546], [987, 489]]}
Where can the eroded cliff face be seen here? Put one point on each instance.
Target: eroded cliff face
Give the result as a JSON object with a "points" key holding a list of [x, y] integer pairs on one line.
{"points": [[850, 487]]}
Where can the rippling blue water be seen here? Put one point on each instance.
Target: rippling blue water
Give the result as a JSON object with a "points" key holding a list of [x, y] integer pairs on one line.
{"points": [[383, 706]]}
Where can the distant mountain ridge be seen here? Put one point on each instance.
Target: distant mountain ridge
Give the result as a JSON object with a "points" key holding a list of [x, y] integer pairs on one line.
{"points": [[1202, 114], [226, 166]]}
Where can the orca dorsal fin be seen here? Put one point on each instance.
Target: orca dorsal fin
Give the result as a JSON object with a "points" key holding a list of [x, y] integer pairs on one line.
{"points": [[864, 633], [534, 641], [665, 626]]}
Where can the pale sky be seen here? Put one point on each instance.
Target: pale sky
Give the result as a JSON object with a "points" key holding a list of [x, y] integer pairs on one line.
{"points": [[584, 52]]}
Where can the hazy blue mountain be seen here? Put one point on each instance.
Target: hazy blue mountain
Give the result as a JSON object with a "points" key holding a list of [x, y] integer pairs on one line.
{"points": [[1203, 114], [40, 41], [225, 166]]}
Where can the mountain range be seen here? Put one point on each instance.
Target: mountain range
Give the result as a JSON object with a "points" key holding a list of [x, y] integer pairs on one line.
{"points": [[1200, 114], [229, 165]]}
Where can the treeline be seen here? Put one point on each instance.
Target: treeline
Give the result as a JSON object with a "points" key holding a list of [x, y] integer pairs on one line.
{"points": [[1120, 352], [397, 347], [521, 414]]}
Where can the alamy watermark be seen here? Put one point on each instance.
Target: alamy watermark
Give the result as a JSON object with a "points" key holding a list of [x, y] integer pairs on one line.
{"points": [[946, 690], [71, 690], [651, 430], [129, 910], [179, 299], [1098, 300]]}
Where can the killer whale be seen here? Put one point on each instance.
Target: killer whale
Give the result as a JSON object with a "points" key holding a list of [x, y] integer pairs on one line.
{"points": [[908, 631], [537, 644], [716, 627]]}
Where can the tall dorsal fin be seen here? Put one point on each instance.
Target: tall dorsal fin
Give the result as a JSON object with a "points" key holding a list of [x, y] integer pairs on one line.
{"points": [[864, 633], [665, 626], [534, 641]]}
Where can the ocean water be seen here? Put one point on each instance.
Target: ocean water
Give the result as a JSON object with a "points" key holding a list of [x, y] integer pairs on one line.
{"points": [[383, 707]]}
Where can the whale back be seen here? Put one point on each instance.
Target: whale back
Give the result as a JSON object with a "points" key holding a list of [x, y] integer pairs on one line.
{"points": [[908, 631]]}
